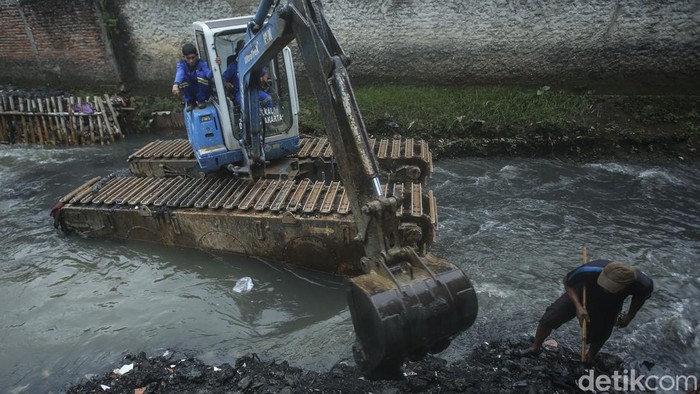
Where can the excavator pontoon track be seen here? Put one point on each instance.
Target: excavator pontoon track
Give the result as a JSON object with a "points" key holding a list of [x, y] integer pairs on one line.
{"points": [[302, 222], [400, 159]]}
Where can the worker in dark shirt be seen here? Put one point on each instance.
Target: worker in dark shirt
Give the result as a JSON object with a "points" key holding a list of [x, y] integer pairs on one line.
{"points": [[607, 284]]}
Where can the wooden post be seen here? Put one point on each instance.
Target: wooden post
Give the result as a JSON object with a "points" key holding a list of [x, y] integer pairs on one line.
{"points": [[65, 122], [24, 122], [41, 121], [114, 116], [79, 118], [37, 121], [54, 127], [31, 122], [58, 106], [3, 127], [74, 125], [92, 130], [73, 121], [14, 118], [47, 121], [99, 112], [90, 126], [110, 133]]}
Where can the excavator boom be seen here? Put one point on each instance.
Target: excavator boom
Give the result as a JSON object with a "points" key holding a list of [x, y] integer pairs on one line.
{"points": [[408, 302]]}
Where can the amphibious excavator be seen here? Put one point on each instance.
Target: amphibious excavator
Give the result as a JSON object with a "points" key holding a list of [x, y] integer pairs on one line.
{"points": [[245, 182]]}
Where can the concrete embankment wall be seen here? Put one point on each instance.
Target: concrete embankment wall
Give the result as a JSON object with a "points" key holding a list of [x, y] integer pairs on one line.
{"points": [[576, 43]]}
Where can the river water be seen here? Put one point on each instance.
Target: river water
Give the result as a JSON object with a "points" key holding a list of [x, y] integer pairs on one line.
{"points": [[72, 307]]}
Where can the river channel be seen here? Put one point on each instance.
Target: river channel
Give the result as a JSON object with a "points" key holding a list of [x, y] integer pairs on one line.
{"points": [[72, 307]]}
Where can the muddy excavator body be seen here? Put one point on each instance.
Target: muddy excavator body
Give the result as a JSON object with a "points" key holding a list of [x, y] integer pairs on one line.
{"points": [[245, 182]]}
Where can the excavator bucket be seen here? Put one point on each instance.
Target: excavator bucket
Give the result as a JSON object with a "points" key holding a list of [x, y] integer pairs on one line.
{"points": [[414, 310]]}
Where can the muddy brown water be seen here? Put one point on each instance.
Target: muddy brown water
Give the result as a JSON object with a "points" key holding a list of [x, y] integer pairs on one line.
{"points": [[71, 307]]}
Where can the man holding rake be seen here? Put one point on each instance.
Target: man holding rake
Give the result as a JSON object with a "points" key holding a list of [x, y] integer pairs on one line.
{"points": [[607, 284]]}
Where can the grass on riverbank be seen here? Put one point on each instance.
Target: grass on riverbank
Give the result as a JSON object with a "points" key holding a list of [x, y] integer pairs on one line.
{"points": [[452, 112], [526, 122]]}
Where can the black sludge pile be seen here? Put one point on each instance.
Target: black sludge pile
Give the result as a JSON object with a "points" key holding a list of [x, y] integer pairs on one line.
{"points": [[491, 367]]}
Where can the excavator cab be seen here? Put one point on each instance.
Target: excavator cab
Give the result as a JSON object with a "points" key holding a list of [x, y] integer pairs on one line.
{"points": [[215, 131]]}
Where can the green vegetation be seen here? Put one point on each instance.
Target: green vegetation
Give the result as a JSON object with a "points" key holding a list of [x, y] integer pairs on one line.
{"points": [[145, 106], [454, 113], [109, 17], [528, 122]]}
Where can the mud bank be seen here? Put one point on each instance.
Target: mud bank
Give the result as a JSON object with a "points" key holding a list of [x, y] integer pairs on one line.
{"points": [[490, 367], [578, 145]]}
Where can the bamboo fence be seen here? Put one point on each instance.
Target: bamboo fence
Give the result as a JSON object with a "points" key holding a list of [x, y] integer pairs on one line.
{"points": [[58, 120]]}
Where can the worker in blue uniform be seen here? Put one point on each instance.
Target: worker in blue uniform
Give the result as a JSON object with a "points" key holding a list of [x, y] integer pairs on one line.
{"points": [[192, 78], [230, 76]]}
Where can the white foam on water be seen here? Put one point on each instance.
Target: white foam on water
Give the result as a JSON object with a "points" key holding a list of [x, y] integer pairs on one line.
{"points": [[38, 156], [658, 177], [496, 290], [509, 171], [614, 168]]}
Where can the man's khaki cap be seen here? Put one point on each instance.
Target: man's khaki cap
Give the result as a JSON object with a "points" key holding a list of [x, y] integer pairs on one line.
{"points": [[616, 276]]}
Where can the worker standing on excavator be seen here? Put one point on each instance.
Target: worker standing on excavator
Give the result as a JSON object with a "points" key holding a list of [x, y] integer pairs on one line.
{"points": [[192, 78]]}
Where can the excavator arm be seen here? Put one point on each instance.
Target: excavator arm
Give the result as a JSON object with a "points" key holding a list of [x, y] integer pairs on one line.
{"points": [[325, 65], [408, 302]]}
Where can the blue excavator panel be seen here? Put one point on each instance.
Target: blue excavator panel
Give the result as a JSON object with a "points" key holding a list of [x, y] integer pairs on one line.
{"points": [[207, 141]]}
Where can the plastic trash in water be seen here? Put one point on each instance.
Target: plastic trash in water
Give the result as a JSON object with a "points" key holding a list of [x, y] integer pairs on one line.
{"points": [[243, 285], [124, 369]]}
